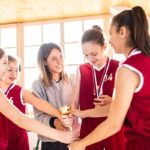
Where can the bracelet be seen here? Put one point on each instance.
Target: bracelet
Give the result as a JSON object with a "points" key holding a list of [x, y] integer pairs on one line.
{"points": [[51, 122]]}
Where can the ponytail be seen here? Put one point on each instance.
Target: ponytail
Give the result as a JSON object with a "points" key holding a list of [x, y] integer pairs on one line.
{"points": [[136, 22], [140, 30]]}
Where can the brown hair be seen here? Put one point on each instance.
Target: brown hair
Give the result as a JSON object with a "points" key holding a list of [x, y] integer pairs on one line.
{"points": [[44, 51], [136, 22], [14, 59], [94, 35], [2, 52]]}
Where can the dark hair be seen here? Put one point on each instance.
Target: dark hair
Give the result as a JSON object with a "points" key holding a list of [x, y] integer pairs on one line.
{"points": [[44, 51], [136, 22], [94, 35], [2, 52], [96, 27]]}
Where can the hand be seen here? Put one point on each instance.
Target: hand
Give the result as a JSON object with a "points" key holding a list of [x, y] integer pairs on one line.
{"points": [[58, 125], [77, 113], [103, 100], [66, 120], [67, 137], [76, 146]]}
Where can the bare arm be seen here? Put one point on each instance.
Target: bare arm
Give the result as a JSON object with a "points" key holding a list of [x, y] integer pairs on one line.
{"points": [[75, 97], [119, 107], [30, 124], [40, 104], [98, 111]]}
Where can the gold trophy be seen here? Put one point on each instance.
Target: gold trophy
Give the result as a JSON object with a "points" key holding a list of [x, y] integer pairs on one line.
{"points": [[65, 110]]}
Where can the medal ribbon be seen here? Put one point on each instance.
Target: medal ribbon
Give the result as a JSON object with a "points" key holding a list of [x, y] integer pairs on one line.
{"points": [[98, 91]]}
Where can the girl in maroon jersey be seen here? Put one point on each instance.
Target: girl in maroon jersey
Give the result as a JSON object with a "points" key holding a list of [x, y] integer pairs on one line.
{"points": [[131, 104], [18, 138], [95, 83], [11, 112]]}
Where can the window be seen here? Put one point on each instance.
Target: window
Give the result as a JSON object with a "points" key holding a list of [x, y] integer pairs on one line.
{"points": [[32, 35], [51, 33], [8, 40], [89, 23]]}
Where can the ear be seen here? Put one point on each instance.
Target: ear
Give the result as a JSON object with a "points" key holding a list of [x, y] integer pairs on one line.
{"points": [[123, 32]]}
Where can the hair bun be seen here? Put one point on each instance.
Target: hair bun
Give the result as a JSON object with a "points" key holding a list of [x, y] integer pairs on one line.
{"points": [[96, 27]]}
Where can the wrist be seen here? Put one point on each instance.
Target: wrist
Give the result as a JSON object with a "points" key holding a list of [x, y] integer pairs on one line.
{"points": [[52, 122], [83, 114], [81, 144]]}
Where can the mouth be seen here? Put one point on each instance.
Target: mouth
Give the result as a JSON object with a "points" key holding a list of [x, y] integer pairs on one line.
{"points": [[59, 67], [12, 79], [94, 62]]}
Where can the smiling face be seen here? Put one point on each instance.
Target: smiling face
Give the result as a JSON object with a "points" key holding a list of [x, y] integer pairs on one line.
{"points": [[3, 65], [55, 61], [11, 74], [93, 52]]}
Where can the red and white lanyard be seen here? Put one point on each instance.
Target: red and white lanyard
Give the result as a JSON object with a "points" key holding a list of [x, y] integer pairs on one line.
{"points": [[98, 87]]}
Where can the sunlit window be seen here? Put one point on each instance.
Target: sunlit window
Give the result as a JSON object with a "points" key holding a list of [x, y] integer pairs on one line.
{"points": [[72, 31], [8, 37], [31, 74], [73, 54], [11, 51], [51, 33], [32, 35], [30, 55], [119, 57], [89, 23]]}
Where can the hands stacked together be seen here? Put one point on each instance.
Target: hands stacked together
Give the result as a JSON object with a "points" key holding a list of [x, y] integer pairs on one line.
{"points": [[67, 122]]}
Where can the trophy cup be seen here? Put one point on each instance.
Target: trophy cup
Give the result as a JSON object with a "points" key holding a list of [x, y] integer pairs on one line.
{"points": [[65, 110]]}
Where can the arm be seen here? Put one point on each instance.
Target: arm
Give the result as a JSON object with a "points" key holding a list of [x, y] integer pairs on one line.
{"points": [[40, 104], [98, 111], [75, 97], [119, 107], [30, 124], [40, 92]]}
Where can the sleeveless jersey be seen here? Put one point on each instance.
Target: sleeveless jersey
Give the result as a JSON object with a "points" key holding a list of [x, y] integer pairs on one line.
{"points": [[137, 122], [86, 102]]}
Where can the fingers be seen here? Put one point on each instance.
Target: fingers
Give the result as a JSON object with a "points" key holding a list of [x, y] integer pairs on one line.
{"points": [[66, 121], [102, 100]]}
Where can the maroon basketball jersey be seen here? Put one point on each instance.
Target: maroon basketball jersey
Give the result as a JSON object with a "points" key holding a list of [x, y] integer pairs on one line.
{"points": [[86, 101], [137, 122], [3, 132], [14, 94]]}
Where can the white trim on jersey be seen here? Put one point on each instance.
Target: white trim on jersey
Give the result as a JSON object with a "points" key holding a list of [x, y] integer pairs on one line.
{"points": [[138, 72], [10, 89], [21, 97], [134, 52]]}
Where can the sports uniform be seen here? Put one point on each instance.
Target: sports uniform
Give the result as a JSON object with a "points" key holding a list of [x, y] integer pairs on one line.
{"points": [[86, 97]]}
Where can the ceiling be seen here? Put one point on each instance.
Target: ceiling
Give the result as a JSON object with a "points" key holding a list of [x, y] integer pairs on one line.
{"points": [[14, 11]]}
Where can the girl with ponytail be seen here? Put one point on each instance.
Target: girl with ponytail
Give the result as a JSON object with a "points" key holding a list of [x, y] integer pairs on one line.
{"points": [[131, 98]]}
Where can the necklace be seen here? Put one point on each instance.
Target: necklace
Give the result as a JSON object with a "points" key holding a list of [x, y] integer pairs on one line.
{"points": [[98, 87]]}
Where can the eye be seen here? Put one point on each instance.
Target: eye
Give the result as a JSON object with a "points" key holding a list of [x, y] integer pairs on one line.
{"points": [[94, 54], [9, 70], [85, 55]]}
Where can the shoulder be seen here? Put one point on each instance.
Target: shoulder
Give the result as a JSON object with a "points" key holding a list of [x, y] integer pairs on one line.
{"points": [[37, 82], [86, 66], [114, 62], [15, 87], [113, 65]]}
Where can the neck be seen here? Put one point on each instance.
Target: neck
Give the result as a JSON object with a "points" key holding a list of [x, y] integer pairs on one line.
{"points": [[102, 62], [128, 50], [56, 76], [4, 85]]}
